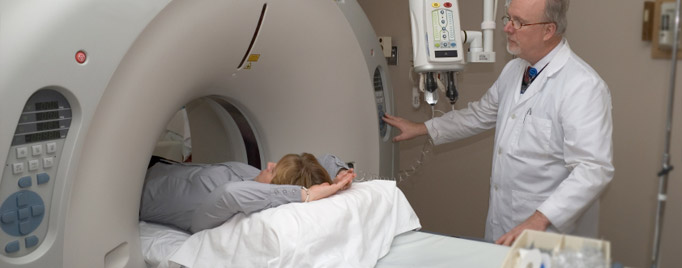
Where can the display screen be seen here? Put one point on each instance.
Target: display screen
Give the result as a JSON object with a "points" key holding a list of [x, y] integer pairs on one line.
{"points": [[43, 136], [47, 116], [50, 105], [47, 125]]}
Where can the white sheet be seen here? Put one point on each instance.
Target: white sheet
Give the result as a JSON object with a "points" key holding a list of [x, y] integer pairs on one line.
{"points": [[351, 229], [159, 242], [420, 249]]}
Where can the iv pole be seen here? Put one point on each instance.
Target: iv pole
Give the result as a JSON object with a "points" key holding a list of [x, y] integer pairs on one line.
{"points": [[663, 174]]}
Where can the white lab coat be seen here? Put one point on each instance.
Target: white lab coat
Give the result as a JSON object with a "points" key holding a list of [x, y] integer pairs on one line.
{"points": [[553, 148]]}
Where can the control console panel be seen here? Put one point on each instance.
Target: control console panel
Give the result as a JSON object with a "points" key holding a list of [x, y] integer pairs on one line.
{"points": [[30, 172]]}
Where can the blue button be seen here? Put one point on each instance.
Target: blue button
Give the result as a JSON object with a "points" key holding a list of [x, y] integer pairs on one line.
{"points": [[26, 228], [24, 213], [37, 210], [24, 219], [22, 199], [9, 217], [453, 44], [43, 178], [12, 247], [25, 182], [31, 241]]}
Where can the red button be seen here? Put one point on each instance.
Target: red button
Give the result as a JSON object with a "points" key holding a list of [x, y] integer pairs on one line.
{"points": [[447, 4], [81, 57]]}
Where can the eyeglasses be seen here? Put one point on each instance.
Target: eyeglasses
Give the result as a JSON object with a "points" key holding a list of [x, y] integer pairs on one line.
{"points": [[517, 25]]}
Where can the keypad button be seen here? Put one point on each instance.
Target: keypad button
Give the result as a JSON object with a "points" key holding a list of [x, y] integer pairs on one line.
{"points": [[22, 152], [24, 213], [26, 227], [33, 165], [37, 149], [48, 162], [9, 217], [25, 182], [12, 247], [23, 199], [31, 241], [51, 147], [18, 168], [37, 210], [43, 178]]}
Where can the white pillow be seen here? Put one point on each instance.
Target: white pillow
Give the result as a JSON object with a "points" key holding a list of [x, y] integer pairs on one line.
{"points": [[353, 228]]}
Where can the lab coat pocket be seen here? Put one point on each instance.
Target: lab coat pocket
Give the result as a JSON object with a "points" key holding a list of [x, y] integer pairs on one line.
{"points": [[534, 136], [524, 204]]}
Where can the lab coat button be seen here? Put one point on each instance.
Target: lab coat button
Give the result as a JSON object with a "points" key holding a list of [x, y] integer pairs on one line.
{"points": [[513, 116], [495, 186], [499, 151]]}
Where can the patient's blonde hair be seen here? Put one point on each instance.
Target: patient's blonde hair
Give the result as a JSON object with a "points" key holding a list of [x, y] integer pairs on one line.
{"points": [[303, 170]]}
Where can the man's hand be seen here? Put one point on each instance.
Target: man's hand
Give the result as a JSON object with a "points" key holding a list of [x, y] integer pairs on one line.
{"points": [[407, 128], [537, 221], [342, 181]]}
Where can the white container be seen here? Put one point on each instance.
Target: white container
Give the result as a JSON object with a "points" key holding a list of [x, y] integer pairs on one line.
{"points": [[552, 242]]}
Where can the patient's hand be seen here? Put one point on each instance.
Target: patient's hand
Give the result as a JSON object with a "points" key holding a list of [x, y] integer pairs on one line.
{"points": [[341, 182], [342, 174]]}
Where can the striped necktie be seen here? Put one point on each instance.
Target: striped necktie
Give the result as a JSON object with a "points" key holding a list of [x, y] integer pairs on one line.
{"points": [[528, 77]]}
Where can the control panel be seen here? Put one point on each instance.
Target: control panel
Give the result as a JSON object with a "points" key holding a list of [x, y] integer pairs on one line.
{"points": [[445, 30], [380, 101], [30, 172], [436, 35]]}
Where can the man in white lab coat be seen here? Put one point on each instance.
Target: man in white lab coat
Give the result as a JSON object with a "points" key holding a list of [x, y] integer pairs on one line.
{"points": [[553, 148]]}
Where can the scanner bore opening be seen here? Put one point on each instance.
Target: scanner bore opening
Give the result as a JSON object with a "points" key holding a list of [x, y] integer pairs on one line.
{"points": [[209, 130]]}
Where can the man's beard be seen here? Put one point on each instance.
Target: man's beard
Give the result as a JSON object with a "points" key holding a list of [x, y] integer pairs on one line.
{"points": [[516, 50]]}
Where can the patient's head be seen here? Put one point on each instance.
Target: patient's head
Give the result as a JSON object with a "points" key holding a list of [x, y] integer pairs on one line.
{"points": [[303, 170]]}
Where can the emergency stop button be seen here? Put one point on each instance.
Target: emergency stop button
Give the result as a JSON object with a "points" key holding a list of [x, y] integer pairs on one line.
{"points": [[81, 57]]}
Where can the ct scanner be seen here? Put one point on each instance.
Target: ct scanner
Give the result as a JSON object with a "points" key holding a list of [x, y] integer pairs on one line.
{"points": [[87, 87]]}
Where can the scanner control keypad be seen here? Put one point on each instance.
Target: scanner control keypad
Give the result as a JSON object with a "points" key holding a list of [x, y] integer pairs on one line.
{"points": [[29, 177]]}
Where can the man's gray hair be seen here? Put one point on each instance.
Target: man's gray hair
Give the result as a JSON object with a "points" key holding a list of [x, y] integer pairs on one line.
{"points": [[555, 11]]}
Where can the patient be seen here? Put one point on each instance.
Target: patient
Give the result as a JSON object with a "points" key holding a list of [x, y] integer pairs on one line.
{"points": [[194, 197]]}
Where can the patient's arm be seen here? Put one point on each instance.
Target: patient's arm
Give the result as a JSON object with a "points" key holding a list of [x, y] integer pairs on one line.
{"points": [[247, 196], [323, 190], [335, 167], [332, 164]]}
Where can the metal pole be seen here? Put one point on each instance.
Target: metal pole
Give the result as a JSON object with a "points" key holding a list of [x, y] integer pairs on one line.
{"points": [[663, 174]]}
